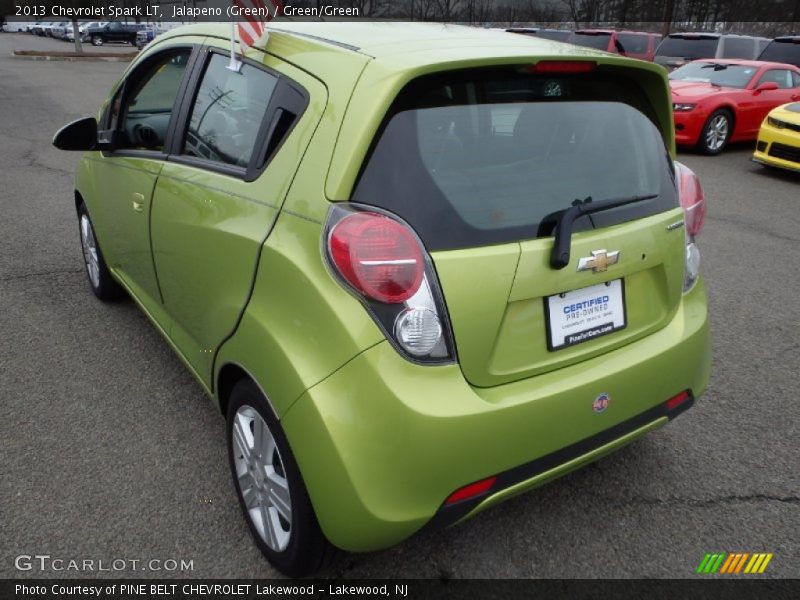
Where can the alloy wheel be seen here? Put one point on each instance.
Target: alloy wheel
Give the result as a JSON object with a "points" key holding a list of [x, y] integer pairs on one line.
{"points": [[261, 478], [90, 256], [717, 133]]}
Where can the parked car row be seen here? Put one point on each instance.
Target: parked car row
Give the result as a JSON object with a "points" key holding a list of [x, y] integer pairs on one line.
{"points": [[717, 101], [95, 32], [723, 86], [676, 49]]}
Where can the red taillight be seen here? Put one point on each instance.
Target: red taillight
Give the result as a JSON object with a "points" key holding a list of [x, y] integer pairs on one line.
{"points": [[677, 400], [471, 490], [379, 257], [692, 199], [562, 66]]}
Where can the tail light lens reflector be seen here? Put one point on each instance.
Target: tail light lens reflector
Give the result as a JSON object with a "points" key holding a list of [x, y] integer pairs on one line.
{"points": [[377, 256]]}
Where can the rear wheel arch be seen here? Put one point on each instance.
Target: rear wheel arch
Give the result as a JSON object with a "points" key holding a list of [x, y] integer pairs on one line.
{"points": [[229, 375]]}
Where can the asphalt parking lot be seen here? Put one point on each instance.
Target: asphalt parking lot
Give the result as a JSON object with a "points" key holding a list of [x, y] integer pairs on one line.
{"points": [[110, 450]]}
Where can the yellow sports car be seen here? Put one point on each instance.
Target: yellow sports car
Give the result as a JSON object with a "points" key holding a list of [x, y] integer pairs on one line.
{"points": [[778, 142]]}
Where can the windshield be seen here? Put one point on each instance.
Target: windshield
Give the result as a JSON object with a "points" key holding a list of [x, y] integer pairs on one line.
{"points": [[691, 48], [590, 40], [734, 76], [489, 157], [782, 52]]}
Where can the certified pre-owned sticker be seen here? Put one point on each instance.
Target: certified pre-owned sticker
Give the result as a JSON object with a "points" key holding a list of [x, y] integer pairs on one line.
{"points": [[585, 314]]}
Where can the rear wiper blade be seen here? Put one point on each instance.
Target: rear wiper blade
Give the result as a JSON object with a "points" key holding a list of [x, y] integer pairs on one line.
{"points": [[563, 229]]}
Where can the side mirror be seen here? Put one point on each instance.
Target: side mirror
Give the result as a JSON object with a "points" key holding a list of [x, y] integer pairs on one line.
{"points": [[78, 135], [766, 86]]}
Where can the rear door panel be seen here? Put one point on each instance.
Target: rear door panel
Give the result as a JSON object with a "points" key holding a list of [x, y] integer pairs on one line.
{"points": [[208, 229]]}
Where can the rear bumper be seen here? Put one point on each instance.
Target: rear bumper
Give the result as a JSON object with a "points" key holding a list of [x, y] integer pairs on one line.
{"points": [[551, 466], [382, 443]]}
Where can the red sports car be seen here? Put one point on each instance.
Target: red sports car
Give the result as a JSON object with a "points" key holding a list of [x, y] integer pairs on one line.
{"points": [[717, 101]]}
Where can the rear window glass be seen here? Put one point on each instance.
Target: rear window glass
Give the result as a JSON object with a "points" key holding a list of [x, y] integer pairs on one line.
{"points": [[479, 158], [590, 40], [738, 48], [695, 47], [553, 34], [783, 52], [633, 43], [735, 76]]}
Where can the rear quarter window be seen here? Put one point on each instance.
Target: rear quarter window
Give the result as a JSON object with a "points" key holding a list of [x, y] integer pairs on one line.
{"points": [[479, 158], [738, 48]]}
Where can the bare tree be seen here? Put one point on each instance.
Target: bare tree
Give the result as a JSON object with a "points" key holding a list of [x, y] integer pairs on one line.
{"points": [[76, 28], [447, 10], [669, 11]]}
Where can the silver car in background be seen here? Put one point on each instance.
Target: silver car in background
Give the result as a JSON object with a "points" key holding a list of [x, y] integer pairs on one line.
{"points": [[677, 49]]}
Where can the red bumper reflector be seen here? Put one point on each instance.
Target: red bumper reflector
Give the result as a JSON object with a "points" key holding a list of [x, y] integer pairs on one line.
{"points": [[471, 490], [677, 400], [562, 66]]}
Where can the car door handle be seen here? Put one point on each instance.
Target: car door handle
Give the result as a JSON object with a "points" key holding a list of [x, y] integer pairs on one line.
{"points": [[138, 202], [795, 96]]}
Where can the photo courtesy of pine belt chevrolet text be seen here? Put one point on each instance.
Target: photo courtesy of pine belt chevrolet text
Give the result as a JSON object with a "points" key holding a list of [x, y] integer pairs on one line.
{"points": [[420, 268]]}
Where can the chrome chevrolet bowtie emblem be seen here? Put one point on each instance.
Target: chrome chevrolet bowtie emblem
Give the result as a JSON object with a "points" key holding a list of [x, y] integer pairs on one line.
{"points": [[598, 261]]}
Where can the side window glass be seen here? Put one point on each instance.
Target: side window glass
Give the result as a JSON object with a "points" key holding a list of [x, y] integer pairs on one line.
{"points": [[738, 48], [780, 76], [142, 111], [228, 112], [795, 79]]}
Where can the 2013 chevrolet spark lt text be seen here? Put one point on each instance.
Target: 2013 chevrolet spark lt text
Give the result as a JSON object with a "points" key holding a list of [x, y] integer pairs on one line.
{"points": [[420, 268]]}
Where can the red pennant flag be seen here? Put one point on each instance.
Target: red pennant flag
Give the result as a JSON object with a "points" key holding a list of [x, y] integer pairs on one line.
{"points": [[251, 27]]}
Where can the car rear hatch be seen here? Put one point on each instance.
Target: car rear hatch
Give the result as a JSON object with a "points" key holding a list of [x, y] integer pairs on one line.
{"points": [[598, 40], [482, 163], [783, 50], [677, 49]]}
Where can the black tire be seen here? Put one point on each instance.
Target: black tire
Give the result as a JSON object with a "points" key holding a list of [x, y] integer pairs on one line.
{"points": [[710, 142], [103, 284], [97, 40], [307, 550]]}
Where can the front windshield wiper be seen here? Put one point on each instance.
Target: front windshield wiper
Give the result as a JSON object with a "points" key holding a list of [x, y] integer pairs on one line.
{"points": [[563, 229]]}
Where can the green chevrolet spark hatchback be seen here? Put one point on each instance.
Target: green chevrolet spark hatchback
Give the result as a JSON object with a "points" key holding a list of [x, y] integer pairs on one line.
{"points": [[420, 268]]}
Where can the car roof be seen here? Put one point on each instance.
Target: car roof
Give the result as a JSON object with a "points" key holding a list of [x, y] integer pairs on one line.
{"points": [[610, 31], [383, 39], [746, 63]]}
